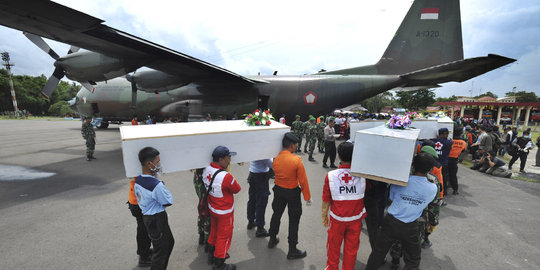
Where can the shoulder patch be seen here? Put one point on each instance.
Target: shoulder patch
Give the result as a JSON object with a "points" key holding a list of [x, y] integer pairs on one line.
{"points": [[148, 183]]}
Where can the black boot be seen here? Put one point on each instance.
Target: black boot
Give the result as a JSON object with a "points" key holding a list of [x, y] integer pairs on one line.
{"points": [[261, 232], [325, 166], [250, 225], [145, 261], [311, 158], [333, 166], [211, 250], [219, 264], [274, 240], [201, 239], [295, 253]]}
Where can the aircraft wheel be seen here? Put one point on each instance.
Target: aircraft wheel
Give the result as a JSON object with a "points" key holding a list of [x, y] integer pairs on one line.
{"points": [[103, 125]]}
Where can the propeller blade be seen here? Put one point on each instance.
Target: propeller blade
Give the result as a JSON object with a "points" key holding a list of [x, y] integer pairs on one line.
{"points": [[53, 81], [38, 41], [73, 49], [133, 94]]}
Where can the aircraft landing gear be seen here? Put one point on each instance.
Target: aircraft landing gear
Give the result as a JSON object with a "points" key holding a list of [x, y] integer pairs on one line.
{"points": [[103, 125]]}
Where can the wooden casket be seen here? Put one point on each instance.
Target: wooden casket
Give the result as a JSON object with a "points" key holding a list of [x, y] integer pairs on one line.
{"points": [[185, 146], [384, 154]]}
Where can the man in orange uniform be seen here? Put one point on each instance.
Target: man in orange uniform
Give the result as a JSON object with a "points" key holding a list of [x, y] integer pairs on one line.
{"points": [[290, 172], [143, 241], [343, 198], [458, 146]]}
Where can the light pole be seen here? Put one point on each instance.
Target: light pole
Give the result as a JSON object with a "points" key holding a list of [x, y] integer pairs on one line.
{"points": [[5, 58]]}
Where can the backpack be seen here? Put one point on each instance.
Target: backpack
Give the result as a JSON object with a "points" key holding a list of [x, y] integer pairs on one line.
{"points": [[497, 143], [202, 207]]}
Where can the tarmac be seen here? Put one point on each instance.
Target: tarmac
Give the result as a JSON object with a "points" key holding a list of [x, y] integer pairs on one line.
{"points": [[78, 217]]}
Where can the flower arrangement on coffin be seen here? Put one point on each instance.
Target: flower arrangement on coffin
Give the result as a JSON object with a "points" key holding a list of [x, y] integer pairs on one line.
{"points": [[440, 114], [398, 122], [414, 115], [259, 118]]}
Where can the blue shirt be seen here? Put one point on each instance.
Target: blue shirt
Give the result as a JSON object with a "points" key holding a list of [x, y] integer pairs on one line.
{"points": [[443, 147], [152, 195], [260, 166], [409, 202]]}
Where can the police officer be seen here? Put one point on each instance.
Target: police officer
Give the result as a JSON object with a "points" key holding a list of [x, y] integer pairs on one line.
{"points": [[523, 145], [297, 129], [153, 197], [89, 135], [329, 144], [290, 173], [259, 174]]}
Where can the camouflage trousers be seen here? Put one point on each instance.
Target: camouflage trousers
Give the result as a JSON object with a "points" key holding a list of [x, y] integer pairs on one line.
{"points": [[308, 138], [90, 146], [299, 135], [320, 142], [203, 226], [312, 142]]}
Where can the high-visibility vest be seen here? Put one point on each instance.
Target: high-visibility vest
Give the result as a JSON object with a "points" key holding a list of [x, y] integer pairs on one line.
{"points": [[132, 198]]}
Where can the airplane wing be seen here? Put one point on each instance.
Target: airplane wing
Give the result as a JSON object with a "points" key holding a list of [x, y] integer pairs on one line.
{"points": [[457, 71], [57, 22]]}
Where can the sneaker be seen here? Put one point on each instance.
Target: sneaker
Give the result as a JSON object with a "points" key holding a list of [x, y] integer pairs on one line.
{"points": [[250, 225], [273, 241]]}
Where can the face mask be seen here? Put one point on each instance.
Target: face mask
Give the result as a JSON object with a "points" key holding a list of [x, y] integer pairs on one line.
{"points": [[156, 171]]}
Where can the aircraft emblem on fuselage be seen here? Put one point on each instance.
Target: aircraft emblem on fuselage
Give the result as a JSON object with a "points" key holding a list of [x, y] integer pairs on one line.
{"points": [[310, 98]]}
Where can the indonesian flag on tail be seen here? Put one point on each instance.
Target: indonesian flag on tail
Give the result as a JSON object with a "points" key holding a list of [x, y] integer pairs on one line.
{"points": [[430, 14]]}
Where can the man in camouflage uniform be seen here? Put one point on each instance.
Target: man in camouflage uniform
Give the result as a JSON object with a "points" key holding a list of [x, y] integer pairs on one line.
{"points": [[305, 129], [89, 135], [320, 134], [312, 133], [297, 129], [203, 226]]}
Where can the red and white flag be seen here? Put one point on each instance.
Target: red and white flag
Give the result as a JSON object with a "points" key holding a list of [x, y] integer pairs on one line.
{"points": [[430, 14]]}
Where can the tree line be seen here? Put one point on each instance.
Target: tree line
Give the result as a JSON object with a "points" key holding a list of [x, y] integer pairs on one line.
{"points": [[420, 99], [29, 98]]}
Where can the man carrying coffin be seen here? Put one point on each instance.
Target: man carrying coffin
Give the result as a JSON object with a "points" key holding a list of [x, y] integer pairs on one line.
{"points": [[153, 196], [343, 199], [401, 221], [290, 173], [220, 204]]}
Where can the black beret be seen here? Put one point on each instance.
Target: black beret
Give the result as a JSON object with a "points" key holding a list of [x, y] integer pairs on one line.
{"points": [[289, 136]]}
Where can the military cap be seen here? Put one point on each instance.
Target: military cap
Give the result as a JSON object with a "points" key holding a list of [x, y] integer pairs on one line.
{"points": [[289, 136], [321, 117], [429, 150], [331, 119], [297, 116], [312, 119]]}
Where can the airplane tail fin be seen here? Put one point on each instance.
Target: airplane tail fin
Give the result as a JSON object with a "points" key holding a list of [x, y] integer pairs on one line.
{"points": [[429, 35]]}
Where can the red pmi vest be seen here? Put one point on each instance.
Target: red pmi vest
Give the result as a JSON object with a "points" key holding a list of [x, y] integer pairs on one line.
{"points": [[347, 193]]}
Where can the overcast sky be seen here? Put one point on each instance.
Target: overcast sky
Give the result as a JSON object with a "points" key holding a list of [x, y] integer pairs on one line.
{"points": [[302, 37]]}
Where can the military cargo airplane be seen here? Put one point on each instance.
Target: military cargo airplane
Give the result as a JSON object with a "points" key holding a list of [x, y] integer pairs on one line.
{"points": [[426, 50]]}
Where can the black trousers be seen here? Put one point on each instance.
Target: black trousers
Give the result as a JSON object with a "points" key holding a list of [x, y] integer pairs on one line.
{"points": [[522, 155], [259, 191], [452, 173], [445, 177], [329, 151], [143, 241], [392, 230], [160, 233], [375, 201], [284, 197]]}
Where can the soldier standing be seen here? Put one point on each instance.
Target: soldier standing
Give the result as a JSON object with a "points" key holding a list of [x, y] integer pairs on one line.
{"points": [[89, 135], [320, 134], [203, 225], [305, 128], [312, 132], [297, 131]]}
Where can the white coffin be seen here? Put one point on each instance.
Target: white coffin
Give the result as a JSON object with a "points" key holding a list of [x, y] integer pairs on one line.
{"points": [[185, 146], [361, 125], [429, 128], [384, 154]]}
